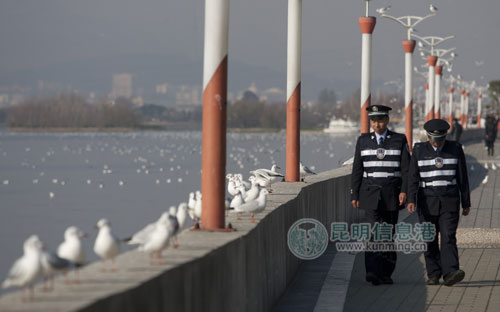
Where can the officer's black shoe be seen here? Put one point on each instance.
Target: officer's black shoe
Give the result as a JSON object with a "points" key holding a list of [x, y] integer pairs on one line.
{"points": [[372, 278], [454, 277], [433, 280], [387, 280]]}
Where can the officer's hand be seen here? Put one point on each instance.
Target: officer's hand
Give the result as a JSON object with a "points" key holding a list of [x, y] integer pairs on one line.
{"points": [[466, 211], [411, 208], [355, 203], [402, 199]]}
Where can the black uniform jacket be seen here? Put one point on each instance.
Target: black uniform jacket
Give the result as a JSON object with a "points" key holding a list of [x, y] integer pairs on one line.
{"points": [[380, 172], [429, 169]]}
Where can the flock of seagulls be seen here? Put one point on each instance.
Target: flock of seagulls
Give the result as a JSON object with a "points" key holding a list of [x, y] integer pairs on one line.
{"points": [[247, 196], [38, 262], [250, 197]]}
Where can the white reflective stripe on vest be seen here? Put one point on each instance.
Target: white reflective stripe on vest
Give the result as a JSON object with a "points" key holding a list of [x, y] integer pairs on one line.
{"points": [[438, 183], [437, 173], [381, 163], [371, 152], [432, 162], [381, 174]]}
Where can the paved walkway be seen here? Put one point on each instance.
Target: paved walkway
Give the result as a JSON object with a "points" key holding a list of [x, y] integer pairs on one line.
{"points": [[478, 239]]}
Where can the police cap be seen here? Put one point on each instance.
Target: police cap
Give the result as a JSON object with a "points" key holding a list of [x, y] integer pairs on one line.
{"points": [[436, 127], [375, 111]]}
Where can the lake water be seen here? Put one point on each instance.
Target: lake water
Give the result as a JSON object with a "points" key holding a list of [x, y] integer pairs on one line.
{"points": [[157, 169]]}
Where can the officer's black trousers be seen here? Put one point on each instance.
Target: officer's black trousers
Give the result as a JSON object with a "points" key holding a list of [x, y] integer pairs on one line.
{"points": [[441, 262], [381, 264]]}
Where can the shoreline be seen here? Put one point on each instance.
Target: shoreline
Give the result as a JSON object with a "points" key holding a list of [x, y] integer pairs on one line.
{"points": [[141, 129]]}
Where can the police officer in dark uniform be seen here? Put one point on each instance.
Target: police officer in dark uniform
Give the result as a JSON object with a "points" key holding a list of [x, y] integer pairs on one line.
{"points": [[437, 181], [379, 176]]}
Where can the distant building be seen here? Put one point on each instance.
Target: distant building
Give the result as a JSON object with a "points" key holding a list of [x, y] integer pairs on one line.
{"points": [[162, 88], [187, 95], [122, 86]]}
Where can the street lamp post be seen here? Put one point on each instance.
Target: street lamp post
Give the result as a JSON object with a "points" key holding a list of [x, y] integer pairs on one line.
{"points": [[408, 22], [293, 90], [432, 59], [462, 107], [440, 53], [367, 25], [480, 91], [213, 161], [466, 117]]}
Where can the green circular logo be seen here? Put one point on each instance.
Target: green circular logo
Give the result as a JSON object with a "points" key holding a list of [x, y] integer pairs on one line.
{"points": [[307, 239]]}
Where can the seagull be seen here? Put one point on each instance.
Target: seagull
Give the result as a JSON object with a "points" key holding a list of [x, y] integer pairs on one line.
{"points": [[106, 245], [493, 166], [72, 249], [182, 216], [432, 8], [27, 269], [158, 238], [305, 170], [237, 200], [253, 192], [52, 264], [486, 166], [245, 184], [231, 186], [383, 10], [173, 226], [191, 204], [197, 206], [485, 180], [254, 206]]}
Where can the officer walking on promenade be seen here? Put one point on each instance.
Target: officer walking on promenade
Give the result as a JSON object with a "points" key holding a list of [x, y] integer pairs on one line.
{"points": [[437, 182], [379, 176]]}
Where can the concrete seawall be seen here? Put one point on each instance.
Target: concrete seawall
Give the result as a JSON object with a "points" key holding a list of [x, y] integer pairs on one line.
{"points": [[246, 270]]}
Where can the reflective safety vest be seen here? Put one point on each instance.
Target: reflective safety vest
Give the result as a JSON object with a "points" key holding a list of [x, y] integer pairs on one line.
{"points": [[437, 170], [382, 163]]}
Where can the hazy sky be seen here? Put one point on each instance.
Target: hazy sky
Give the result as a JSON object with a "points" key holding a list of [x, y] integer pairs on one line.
{"points": [[43, 33]]}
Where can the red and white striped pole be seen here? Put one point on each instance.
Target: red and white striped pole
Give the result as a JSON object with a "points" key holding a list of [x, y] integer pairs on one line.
{"points": [[213, 161], [367, 25], [431, 60], [451, 104], [466, 110], [426, 107], [479, 108], [409, 47], [437, 92], [462, 107], [293, 90]]}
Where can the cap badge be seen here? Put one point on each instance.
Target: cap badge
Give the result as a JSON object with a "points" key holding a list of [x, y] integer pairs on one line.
{"points": [[375, 109]]}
